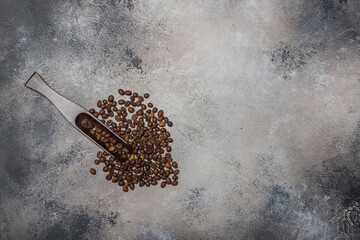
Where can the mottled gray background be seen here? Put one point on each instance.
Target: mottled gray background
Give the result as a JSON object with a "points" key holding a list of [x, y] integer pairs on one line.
{"points": [[264, 96]]}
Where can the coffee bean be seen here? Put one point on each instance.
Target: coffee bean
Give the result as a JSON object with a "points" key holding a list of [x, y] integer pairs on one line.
{"points": [[125, 189], [150, 105], [106, 169], [168, 180], [108, 177], [163, 184], [121, 92], [126, 150], [93, 171], [128, 92], [111, 98], [146, 95], [174, 164], [97, 162]]}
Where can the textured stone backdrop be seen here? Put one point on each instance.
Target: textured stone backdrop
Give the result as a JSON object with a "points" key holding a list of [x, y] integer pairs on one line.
{"points": [[264, 96]]}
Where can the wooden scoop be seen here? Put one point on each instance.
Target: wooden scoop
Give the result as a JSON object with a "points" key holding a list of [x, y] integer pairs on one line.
{"points": [[76, 115]]}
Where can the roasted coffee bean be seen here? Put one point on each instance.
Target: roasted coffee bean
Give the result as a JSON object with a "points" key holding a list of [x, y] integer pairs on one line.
{"points": [[146, 95], [97, 137], [168, 180], [108, 177], [128, 92], [174, 164], [163, 184], [97, 161], [150, 105], [125, 189], [141, 183], [131, 109], [106, 169], [174, 183], [125, 150], [93, 171], [92, 111], [111, 98], [121, 92]]}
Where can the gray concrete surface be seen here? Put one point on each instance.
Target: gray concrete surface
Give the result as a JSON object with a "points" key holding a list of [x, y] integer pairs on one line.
{"points": [[264, 96]]}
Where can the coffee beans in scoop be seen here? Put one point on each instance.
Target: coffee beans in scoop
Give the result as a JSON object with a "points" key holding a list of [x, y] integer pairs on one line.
{"points": [[146, 159]]}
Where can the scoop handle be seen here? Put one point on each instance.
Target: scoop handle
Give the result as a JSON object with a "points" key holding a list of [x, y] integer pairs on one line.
{"points": [[67, 108]]}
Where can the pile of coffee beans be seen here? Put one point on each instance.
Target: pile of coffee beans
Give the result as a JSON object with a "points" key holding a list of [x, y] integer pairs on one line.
{"points": [[144, 158]]}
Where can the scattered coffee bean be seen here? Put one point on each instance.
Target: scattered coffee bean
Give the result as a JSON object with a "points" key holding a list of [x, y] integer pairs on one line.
{"points": [[93, 171], [121, 92]]}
